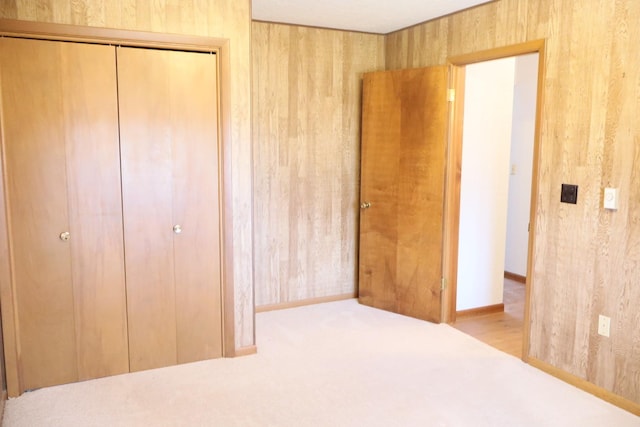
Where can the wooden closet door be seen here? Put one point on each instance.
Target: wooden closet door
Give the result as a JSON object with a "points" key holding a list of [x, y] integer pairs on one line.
{"points": [[95, 210], [62, 175], [168, 122], [196, 208]]}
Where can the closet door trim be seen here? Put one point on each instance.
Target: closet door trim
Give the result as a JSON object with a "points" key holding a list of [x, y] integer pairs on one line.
{"points": [[60, 32]]}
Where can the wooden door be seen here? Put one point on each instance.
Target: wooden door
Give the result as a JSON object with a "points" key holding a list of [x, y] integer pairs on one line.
{"points": [[60, 137], [168, 122], [404, 135]]}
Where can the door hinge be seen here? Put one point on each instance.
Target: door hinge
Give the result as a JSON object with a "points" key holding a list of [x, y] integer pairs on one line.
{"points": [[443, 283], [451, 96]]}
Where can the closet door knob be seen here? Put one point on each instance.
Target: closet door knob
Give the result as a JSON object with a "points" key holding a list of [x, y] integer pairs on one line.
{"points": [[177, 229], [65, 236]]}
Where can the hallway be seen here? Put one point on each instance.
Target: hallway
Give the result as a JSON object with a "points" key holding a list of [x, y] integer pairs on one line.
{"points": [[500, 330]]}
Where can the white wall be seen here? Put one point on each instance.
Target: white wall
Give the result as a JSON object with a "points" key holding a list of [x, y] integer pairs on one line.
{"points": [[486, 141], [522, 136]]}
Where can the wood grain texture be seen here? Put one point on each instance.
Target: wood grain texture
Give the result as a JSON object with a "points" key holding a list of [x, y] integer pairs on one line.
{"points": [[517, 277], [145, 104], [196, 206], [479, 311], [452, 194], [32, 100], [306, 131], [228, 19], [8, 301], [63, 174], [95, 209], [170, 179], [500, 330], [404, 136], [585, 258], [302, 303]]}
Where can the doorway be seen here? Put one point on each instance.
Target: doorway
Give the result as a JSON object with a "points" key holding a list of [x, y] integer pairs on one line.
{"points": [[491, 184]]}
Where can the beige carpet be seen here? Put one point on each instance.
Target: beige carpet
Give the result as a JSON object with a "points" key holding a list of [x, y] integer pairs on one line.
{"points": [[336, 364]]}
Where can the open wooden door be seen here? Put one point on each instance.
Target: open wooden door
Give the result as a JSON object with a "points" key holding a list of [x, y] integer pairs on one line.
{"points": [[404, 137]]}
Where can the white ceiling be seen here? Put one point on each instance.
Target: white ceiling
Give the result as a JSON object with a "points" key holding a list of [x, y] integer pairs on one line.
{"points": [[371, 16]]}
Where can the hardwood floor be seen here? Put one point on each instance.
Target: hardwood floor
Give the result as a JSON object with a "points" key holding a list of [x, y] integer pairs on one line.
{"points": [[500, 330]]}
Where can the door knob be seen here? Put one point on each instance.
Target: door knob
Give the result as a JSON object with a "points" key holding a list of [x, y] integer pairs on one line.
{"points": [[365, 205], [177, 229], [65, 236]]}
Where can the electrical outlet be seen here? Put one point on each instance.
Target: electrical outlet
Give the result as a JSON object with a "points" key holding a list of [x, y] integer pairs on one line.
{"points": [[604, 325]]}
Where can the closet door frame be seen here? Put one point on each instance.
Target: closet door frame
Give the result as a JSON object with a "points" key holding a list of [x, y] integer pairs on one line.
{"points": [[72, 33]]}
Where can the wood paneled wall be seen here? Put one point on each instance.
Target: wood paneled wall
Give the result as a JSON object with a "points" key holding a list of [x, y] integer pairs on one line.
{"points": [[230, 19], [587, 259], [306, 90], [306, 132]]}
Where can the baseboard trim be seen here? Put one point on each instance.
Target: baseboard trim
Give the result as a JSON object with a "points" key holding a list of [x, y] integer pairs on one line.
{"points": [[480, 311], [301, 303], [245, 351], [585, 385], [515, 277]]}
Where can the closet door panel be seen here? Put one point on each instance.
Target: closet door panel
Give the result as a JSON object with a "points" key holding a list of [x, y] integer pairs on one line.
{"points": [[95, 208], [196, 207], [146, 158], [168, 113], [34, 125]]}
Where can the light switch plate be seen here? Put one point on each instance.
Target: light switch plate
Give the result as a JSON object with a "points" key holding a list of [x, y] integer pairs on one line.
{"points": [[569, 194], [610, 199]]}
